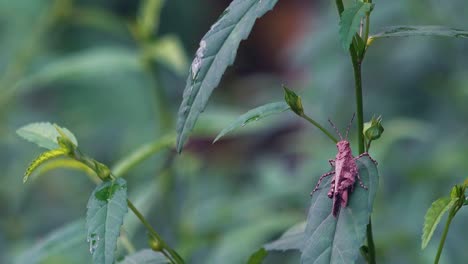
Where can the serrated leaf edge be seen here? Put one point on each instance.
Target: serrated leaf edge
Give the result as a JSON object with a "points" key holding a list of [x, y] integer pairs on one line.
{"points": [[430, 224]]}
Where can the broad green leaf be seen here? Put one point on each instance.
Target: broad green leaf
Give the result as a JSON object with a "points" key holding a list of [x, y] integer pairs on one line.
{"points": [[107, 207], [258, 256], [142, 153], [433, 217], [92, 62], [45, 134], [254, 115], [60, 240], [292, 239], [145, 256], [350, 21], [333, 240], [217, 51], [409, 31], [169, 51], [43, 157]]}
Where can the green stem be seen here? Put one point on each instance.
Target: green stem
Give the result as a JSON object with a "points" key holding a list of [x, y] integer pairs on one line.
{"points": [[142, 153], [451, 215], [357, 61], [166, 250], [359, 104], [315, 123]]}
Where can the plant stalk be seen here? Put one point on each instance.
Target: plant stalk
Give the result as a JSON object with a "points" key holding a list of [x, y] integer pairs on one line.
{"points": [[316, 124], [166, 250], [450, 217], [357, 62]]}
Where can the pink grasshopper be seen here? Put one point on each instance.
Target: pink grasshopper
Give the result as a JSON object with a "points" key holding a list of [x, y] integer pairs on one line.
{"points": [[345, 173]]}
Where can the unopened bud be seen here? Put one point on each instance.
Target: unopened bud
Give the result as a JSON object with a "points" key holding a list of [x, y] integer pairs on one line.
{"points": [[154, 243], [373, 129], [294, 101]]}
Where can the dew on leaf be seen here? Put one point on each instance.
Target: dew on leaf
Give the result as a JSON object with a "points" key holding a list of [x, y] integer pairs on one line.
{"points": [[93, 240], [197, 62]]}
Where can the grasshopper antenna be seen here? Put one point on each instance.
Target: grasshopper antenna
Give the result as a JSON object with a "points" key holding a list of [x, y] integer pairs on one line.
{"points": [[336, 129], [349, 126]]}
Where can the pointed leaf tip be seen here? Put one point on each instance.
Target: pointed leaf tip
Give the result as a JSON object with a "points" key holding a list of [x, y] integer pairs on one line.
{"points": [[254, 115], [217, 51]]}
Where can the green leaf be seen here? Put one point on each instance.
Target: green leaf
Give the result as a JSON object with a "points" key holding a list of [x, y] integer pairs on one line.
{"points": [[217, 51], [409, 31], [333, 240], [350, 21], [93, 62], [45, 156], [254, 115], [169, 51], [66, 163], [60, 240], [292, 239], [107, 207], [258, 256], [145, 256], [45, 134], [433, 217]]}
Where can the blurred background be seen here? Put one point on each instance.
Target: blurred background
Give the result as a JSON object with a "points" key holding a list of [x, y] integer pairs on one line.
{"points": [[109, 72]]}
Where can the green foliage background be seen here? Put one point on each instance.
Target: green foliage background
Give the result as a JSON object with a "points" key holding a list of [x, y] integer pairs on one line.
{"points": [[219, 203]]}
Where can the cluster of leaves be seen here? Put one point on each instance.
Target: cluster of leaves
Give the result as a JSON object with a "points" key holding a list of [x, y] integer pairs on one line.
{"points": [[107, 205], [452, 204]]}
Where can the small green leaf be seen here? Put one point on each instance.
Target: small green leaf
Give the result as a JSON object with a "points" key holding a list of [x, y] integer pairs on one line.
{"points": [[455, 192], [66, 163], [293, 238], [60, 240], [145, 256], [107, 207], [331, 240], [258, 256], [168, 51], [350, 21], [294, 101], [410, 31], [433, 216], [45, 156], [217, 51], [45, 134], [254, 115]]}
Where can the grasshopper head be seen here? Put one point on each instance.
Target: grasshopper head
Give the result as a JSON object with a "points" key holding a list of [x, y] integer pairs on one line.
{"points": [[342, 145]]}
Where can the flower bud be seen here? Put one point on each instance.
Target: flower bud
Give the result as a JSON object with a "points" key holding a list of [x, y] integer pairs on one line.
{"points": [[154, 243], [294, 101], [373, 129]]}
